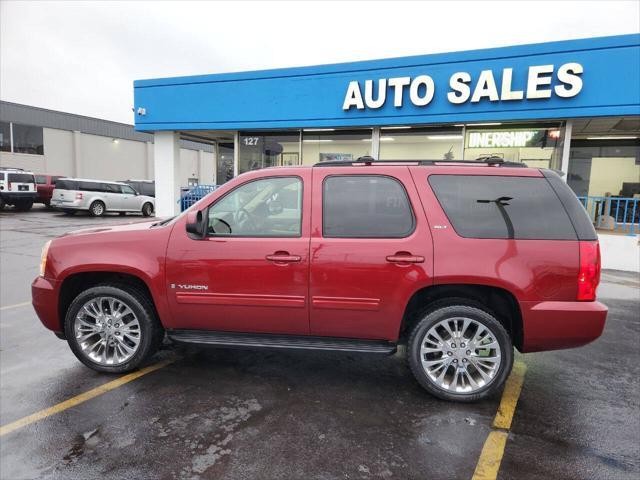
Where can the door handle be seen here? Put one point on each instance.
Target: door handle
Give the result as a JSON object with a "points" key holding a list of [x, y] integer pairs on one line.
{"points": [[405, 257], [283, 257]]}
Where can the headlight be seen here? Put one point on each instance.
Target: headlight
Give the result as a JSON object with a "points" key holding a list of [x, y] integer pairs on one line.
{"points": [[43, 258]]}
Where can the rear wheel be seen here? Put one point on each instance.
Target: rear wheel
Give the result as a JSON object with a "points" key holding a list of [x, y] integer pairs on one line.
{"points": [[68, 211], [24, 205], [122, 214], [112, 328], [460, 352], [97, 209], [147, 209], [2, 204]]}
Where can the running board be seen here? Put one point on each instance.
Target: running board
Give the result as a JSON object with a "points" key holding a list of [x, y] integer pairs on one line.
{"points": [[256, 340]]}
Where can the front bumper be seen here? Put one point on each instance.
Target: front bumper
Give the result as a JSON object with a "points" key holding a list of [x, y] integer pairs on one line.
{"points": [[557, 325], [44, 295]]}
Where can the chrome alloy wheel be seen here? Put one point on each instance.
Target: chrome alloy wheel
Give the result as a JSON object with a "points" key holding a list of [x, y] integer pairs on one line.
{"points": [[460, 355], [107, 331]]}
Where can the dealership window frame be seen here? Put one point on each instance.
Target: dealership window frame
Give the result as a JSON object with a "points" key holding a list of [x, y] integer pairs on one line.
{"points": [[12, 142]]}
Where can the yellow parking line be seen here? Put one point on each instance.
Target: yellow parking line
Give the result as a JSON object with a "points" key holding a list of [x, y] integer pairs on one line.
{"points": [[16, 305], [83, 397], [489, 462]]}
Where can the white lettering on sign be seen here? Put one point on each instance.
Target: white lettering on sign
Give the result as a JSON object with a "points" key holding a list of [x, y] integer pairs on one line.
{"points": [[464, 88], [500, 139]]}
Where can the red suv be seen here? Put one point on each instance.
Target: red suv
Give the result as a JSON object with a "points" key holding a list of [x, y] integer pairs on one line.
{"points": [[45, 185], [458, 261]]}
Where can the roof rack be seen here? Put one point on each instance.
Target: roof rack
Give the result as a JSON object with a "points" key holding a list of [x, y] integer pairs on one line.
{"points": [[492, 161], [12, 168]]}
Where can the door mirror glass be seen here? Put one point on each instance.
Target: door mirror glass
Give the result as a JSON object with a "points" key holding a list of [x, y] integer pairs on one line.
{"points": [[195, 225]]}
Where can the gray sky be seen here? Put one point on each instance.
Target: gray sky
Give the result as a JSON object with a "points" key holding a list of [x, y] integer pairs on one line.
{"points": [[82, 57]]}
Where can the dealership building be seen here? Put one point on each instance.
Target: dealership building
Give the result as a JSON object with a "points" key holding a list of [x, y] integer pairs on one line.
{"points": [[58, 143]]}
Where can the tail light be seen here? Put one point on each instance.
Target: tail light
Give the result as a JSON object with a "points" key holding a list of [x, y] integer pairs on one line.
{"points": [[9, 186], [78, 196], [589, 274]]}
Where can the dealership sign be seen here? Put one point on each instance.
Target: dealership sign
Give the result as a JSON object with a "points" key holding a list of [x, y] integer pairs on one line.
{"points": [[463, 89]]}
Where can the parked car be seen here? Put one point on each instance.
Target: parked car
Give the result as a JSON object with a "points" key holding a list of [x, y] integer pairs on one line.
{"points": [[144, 187], [44, 186], [460, 263], [99, 197], [17, 188]]}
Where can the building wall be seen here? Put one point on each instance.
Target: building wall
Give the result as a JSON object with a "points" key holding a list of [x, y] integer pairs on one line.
{"points": [[103, 159]]}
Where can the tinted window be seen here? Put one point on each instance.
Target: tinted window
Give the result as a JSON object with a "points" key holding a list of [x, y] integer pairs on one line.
{"points": [[365, 206], [21, 178], [92, 187], [271, 207], [55, 179], [5, 137], [502, 207], [27, 139], [127, 189], [63, 184], [41, 179], [1, 175]]}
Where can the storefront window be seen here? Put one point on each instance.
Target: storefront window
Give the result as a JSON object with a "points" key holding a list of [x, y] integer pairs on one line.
{"points": [[5, 137], [606, 168], [539, 146], [406, 143], [27, 139], [330, 145], [224, 163], [268, 149]]}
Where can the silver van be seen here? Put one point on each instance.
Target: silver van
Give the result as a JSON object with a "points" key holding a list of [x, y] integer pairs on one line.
{"points": [[99, 197]]}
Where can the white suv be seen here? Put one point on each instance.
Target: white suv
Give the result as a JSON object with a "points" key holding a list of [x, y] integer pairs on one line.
{"points": [[17, 188], [99, 197]]}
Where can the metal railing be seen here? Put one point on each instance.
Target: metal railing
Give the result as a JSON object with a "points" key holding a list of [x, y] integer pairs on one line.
{"points": [[191, 195], [617, 214]]}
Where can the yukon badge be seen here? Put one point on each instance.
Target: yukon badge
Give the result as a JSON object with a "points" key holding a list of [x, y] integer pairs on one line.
{"points": [[189, 287]]}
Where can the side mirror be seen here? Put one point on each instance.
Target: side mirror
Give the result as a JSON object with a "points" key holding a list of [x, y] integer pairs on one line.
{"points": [[195, 223], [275, 207]]}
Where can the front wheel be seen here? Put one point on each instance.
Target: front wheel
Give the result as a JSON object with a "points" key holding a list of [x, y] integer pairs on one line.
{"points": [[461, 353], [147, 209], [112, 328]]}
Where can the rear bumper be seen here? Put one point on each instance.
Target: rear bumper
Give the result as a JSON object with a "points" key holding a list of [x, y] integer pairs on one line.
{"points": [[44, 295], [10, 197], [71, 204], [557, 325]]}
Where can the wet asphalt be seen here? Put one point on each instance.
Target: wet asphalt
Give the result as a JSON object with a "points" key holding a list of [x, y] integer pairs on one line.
{"points": [[240, 414]]}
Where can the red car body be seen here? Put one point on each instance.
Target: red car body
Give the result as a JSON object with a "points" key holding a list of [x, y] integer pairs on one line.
{"points": [[339, 287], [44, 186]]}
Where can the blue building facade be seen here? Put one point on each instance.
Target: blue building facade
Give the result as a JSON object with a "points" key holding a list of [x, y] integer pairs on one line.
{"points": [[569, 105]]}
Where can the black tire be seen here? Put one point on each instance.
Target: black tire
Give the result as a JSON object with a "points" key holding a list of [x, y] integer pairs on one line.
{"points": [[459, 308], [2, 204], [147, 209], [24, 206], [68, 211], [97, 209], [122, 214], [151, 331]]}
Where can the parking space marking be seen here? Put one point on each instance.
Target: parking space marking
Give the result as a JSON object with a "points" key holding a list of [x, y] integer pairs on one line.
{"points": [[15, 305], [493, 450], [83, 397]]}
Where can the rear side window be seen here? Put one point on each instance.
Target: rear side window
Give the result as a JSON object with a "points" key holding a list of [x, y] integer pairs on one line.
{"points": [[1, 175], [365, 206], [481, 206], [63, 184], [41, 179]]}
